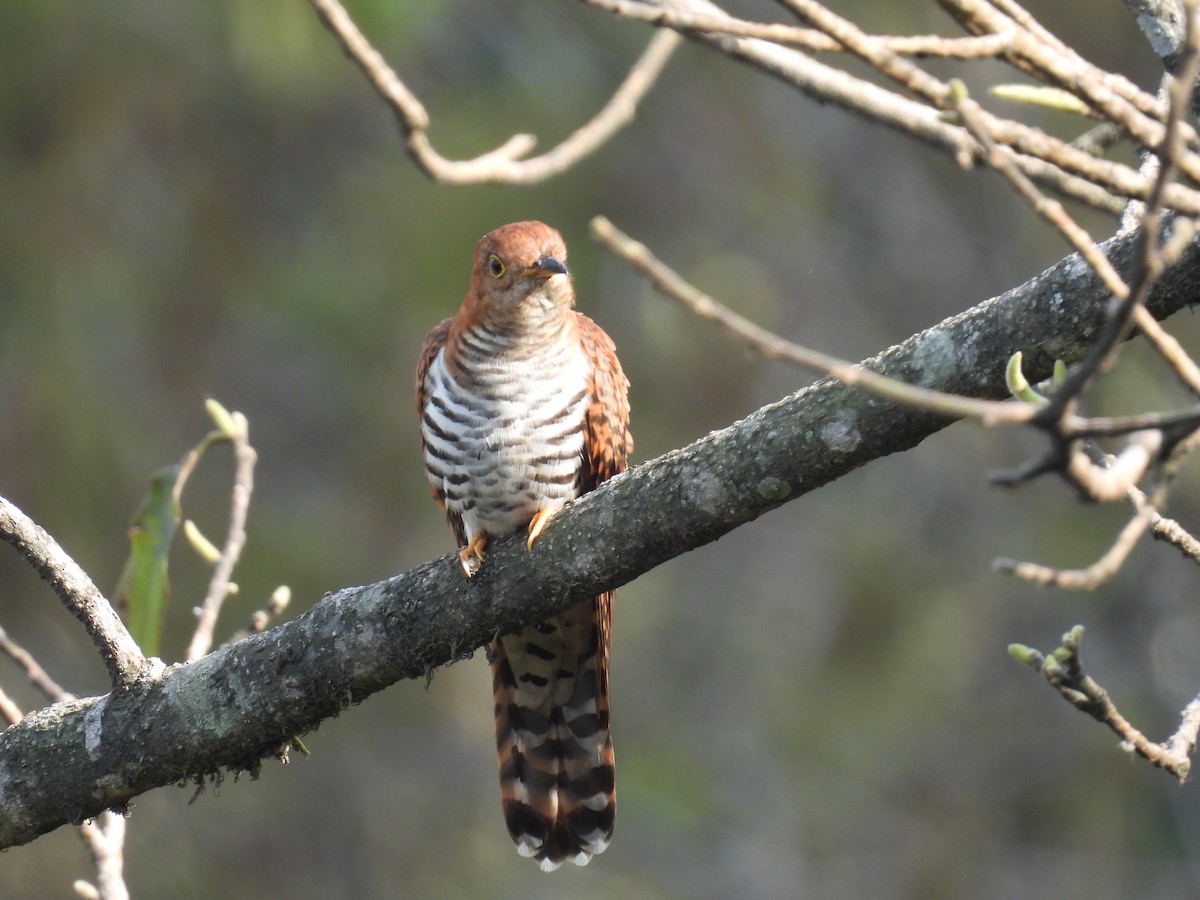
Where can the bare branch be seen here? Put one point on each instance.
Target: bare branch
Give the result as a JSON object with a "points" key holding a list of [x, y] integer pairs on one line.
{"points": [[243, 484], [1113, 481], [773, 346], [809, 39], [1174, 421], [1164, 529], [120, 652], [105, 840], [1038, 52], [1148, 263], [33, 670], [945, 95], [1157, 255], [1093, 576], [1103, 482], [1169, 349], [1051, 162], [1063, 669], [1149, 259], [1098, 139], [9, 710], [502, 165], [1003, 160]]}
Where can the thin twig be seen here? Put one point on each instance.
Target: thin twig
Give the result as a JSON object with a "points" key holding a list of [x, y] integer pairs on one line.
{"points": [[1051, 211], [1063, 669], [502, 165], [121, 655], [1130, 297], [218, 588], [1035, 50], [1073, 426], [1051, 162], [34, 672], [772, 346], [810, 39], [1147, 513], [1171, 532], [935, 91], [8, 710], [868, 48], [1168, 348], [105, 840], [1091, 577], [1148, 260], [1153, 257]]}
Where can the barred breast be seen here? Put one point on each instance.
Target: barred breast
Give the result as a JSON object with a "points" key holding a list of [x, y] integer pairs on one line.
{"points": [[504, 427]]}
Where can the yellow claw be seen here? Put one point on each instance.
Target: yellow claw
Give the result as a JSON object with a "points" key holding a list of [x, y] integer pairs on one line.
{"points": [[471, 556], [539, 521]]}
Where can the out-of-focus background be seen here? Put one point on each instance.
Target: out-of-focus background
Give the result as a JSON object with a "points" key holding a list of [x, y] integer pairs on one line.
{"points": [[207, 200]]}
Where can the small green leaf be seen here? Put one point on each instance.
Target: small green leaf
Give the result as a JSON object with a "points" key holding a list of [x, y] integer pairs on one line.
{"points": [[1059, 378], [1027, 656], [222, 418], [1018, 386], [207, 549], [143, 588], [1047, 97]]}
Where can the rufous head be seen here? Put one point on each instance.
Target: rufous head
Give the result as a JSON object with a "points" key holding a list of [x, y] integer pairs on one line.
{"points": [[521, 269]]}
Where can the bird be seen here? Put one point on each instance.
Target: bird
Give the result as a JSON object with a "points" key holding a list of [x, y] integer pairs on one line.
{"points": [[523, 407]]}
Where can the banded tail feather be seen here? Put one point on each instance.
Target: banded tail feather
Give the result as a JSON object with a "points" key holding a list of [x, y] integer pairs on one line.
{"points": [[557, 774]]}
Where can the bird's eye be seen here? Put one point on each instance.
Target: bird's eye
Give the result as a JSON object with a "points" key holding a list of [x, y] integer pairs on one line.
{"points": [[495, 266]]}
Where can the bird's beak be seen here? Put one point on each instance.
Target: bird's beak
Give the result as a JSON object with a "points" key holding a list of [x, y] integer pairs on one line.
{"points": [[547, 266]]}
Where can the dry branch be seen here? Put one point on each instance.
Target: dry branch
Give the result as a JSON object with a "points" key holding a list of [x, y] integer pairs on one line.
{"points": [[120, 652], [1063, 669], [503, 165], [237, 433]]}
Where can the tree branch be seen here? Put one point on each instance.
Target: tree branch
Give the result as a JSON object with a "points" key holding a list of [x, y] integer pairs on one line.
{"points": [[1047, 160], [1063, 670], [243, 702], [83, 600], [503, 165], [237, 432]]}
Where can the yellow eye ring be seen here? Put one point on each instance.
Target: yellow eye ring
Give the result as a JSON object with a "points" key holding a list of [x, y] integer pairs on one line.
{"points": [[495, 266]]}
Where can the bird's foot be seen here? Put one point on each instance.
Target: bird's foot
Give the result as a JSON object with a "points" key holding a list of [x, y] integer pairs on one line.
{"points": [[539, 521], [471, 556]]}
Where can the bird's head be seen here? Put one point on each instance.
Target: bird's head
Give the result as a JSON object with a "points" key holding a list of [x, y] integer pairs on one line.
{"points": [[521, 270]]}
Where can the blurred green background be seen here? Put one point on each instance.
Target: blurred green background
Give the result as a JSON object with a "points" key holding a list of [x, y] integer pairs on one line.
{"points": [[208, 200]]}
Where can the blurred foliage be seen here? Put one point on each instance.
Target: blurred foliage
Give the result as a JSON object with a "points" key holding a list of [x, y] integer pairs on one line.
{"points": [[144, 587], [207, 200]]}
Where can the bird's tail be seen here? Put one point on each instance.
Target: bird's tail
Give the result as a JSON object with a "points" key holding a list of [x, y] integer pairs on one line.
{"points": [[550, 684]]}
